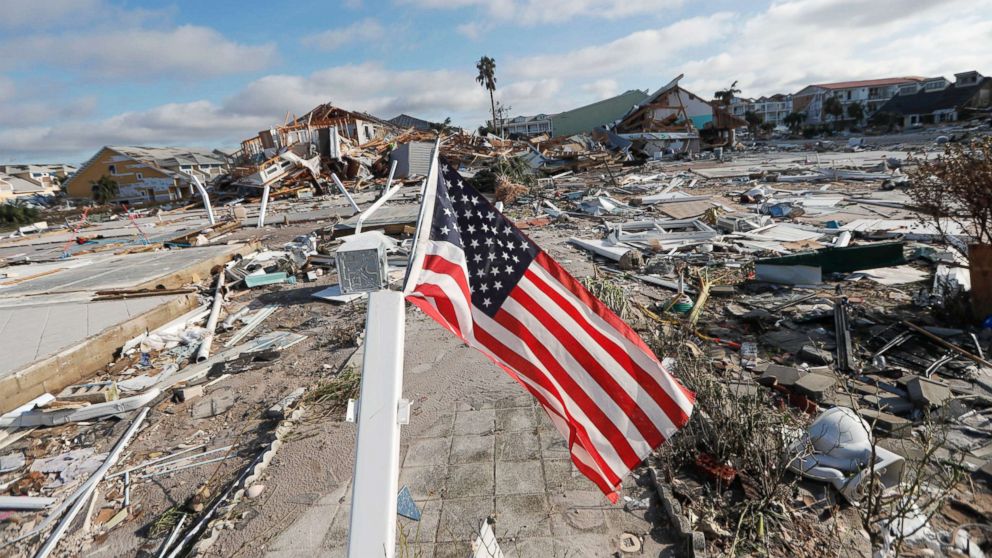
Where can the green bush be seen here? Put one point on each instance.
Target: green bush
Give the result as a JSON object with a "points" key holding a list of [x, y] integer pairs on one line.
{"points": [[18, 214]]}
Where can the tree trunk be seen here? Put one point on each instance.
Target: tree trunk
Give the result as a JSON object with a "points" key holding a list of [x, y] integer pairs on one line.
{"points": [[492, 105], [980, 264]]}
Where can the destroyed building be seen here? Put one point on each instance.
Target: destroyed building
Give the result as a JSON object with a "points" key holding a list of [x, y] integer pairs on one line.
{"points": [[148, 174], [675, 120], [579, 120], [180, 381]]}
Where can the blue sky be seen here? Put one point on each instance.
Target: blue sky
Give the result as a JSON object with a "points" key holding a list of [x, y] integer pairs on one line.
{"points": [[79, 74]]}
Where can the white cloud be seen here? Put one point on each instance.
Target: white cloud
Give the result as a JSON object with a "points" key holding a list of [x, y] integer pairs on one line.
{"points": [[638, 51], [430, 94], [17, 14], [602, 88], [187, 51], [780, 49], [471, 30], [364, 31], [533, 12], [798, 42], [196, 123]]}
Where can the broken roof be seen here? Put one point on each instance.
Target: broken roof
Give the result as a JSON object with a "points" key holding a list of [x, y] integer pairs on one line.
{"points": [[327, 111]]}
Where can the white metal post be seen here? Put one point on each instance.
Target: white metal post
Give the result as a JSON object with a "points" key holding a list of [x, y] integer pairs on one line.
{"points": [[265, 203], [377, 457], [351, 200], [206, 199], [387, 193]]}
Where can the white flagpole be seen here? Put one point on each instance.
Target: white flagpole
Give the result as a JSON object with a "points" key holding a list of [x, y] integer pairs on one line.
{"points": [[424, 221]]}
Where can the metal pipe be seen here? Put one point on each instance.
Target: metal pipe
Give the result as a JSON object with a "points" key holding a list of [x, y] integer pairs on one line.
{"points": [[207, 516], [206, 199], [377, 457], [172, 536], [186, 466], [188, 458], [351, 200], [154, 461], [25, 502], [228, 323], [208, 340], [84, 492], [946, 344], [255, 320], [378, 203], [127, 489], [261, 208]]}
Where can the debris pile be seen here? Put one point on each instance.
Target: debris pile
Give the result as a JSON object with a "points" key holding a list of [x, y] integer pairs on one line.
{"points": [[831, 334]]}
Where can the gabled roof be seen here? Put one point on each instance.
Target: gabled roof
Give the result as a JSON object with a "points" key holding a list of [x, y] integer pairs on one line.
{"points": [[926, 102], [722, 117]]}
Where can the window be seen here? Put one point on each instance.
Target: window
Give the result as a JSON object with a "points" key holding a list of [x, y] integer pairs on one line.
{"points": [[112, 169], [849, 95], [138, 176]]}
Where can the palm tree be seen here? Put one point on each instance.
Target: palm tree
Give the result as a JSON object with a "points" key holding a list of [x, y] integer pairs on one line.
{"points": [[833, 107], [724, 96], [487, 79], [794, 120], [753, 120], [441, 127], [856, 111], [105, 189]]}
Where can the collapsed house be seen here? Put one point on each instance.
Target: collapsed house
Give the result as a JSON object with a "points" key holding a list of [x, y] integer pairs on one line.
{"points": [[673, 119]]}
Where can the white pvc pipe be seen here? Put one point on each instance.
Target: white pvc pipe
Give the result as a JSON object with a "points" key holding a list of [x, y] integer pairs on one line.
{"points": [[377, 456], [206, 199], [87, 489], [351, 200], [25, 502], [388, 193], [265, 203], [203, 353]]}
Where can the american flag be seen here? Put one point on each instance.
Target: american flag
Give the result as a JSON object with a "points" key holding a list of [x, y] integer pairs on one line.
{"points": [[486, 282]]}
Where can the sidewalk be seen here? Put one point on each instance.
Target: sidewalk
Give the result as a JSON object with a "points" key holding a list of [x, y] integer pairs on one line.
{"points": [[499, 455]]}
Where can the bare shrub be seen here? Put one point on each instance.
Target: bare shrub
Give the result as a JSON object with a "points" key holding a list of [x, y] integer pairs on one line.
{"points": [[742, 429], [892, 517], [957, 187]]}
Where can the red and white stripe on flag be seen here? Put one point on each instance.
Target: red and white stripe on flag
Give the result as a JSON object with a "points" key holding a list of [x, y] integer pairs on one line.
{"points": [[602, 387]]}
